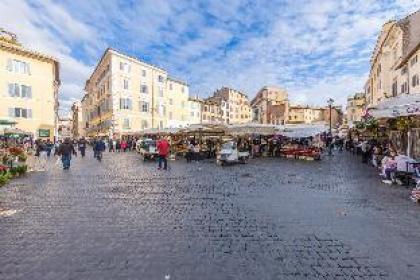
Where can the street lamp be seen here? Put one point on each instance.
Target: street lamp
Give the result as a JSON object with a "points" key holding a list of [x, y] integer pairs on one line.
{"points": [[330, 102]]}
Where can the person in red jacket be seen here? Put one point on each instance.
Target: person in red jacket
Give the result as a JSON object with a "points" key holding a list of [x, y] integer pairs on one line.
{"points": [[163, 150]]}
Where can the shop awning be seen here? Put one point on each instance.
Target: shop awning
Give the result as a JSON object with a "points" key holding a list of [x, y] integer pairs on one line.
{"points": [[399, 106]]}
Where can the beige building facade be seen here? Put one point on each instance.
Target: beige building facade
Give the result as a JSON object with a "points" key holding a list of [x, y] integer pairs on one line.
{"points": [[304, 114], [395, 66], [195, 106], [356, 106], [125, 95], [227, 106], [31, 81], [270, 106]]}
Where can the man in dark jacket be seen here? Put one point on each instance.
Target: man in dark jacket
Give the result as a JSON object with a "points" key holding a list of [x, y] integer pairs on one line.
{"points": [[82, 146], [65, 150], [99, 148]]}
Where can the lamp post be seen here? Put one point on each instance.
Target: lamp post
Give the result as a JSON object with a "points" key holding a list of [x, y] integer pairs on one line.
{"points": [[330, 102]]}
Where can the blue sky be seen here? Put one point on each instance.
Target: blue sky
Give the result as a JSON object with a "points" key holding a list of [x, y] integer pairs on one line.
{"points": [[315, 49]]}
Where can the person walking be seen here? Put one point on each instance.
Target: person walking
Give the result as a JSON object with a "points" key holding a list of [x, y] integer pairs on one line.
{"points": [[99, 148], [41, 152], [65, 150], [49, 145], [163, 150], [82, 146]]}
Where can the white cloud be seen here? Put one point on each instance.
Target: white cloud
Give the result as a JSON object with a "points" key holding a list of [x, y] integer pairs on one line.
{"points": [[313, 48]]}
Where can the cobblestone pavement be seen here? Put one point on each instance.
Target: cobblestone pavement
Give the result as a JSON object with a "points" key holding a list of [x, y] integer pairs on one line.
{"points": [[269, 219]]}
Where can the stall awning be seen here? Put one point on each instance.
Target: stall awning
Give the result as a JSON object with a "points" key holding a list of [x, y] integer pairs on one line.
{"points": [[251, 128], [399, 106], [302, 130]]}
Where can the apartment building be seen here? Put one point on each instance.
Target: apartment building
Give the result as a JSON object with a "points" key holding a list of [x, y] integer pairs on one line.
{"points": [[356, 105], [395, 67], [177, 103], [304, 114], [212, 112], [125, 95], [77, 130], [232, 107], [195, 106], [270, 106], [31, 80]]}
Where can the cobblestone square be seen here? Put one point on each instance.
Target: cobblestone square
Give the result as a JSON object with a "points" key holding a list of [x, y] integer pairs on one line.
{"points": [[268, 219]]}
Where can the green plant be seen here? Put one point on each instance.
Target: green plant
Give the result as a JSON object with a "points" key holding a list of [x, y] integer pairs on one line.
{"points": [[13, 171], [4, 178], [21, 169]]}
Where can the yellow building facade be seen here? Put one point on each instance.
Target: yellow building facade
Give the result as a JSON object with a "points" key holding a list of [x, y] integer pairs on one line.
{"points": [[125, 95], [31, 81], [355, 108], [395, 68]]}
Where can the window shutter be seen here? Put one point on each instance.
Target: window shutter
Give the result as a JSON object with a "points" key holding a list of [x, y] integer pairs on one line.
{"points": [[120, 103], [12, 112], [17, 90], [29, 92], [11, 90], [9, 65], [130, 104], [28, 68], [29, 113]]}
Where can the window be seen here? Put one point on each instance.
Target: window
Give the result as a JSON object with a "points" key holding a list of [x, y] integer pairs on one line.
{"points": [[17, 66], [404, 87], [125, 67], [143, 89], [143, 73], [378, 71], [125, 103], [394, 88], [126, 123], [20, 113], [170, 86], [161, 124], [415, 80], [413, 60], [144, 106], [192, 114], [183, 89], [125, 84], [404, 70], [160, 79], [16, 90], [161, 92], [171, 102], [161, 110], [144, 124]]}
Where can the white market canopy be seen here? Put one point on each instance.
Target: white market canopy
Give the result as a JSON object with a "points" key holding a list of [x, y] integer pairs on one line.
{"points": [[302, 130], [251, 128], [400, 106]]}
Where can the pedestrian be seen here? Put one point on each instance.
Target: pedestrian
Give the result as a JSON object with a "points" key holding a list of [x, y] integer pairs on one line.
{"points": [[118, 146], [82, 146], [41, 153], [65, 150], [99, 148], [49, 145], [190, 151], [111, 145], [163, 150], [124, 145]]}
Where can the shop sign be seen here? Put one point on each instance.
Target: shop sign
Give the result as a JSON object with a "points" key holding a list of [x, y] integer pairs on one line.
{"points": [[44, 132]]}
